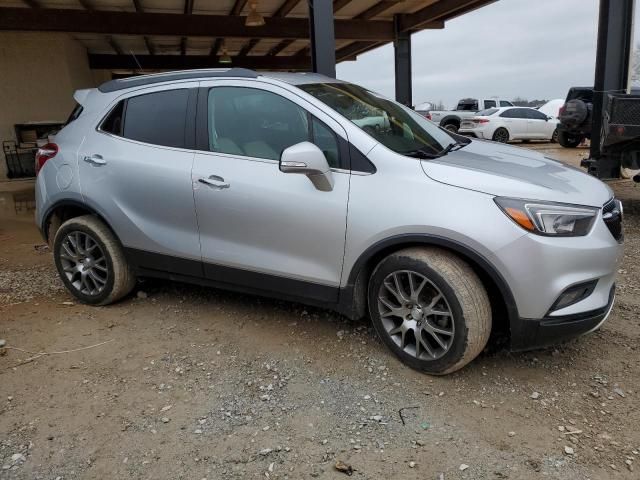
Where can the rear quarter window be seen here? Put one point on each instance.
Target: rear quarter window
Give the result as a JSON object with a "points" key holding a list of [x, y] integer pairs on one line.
{"points": [[77, 111]]}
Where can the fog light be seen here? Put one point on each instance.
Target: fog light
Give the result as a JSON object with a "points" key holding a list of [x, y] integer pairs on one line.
{"points": [[574, 294]]}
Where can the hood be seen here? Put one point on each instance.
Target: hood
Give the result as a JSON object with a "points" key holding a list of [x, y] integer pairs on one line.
{"points": [[507, 171]]}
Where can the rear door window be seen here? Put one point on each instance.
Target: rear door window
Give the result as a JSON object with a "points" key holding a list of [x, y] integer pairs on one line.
{"points": [[536, 115], [158, 118], [487, 113], [489, 103], [515, 113]]}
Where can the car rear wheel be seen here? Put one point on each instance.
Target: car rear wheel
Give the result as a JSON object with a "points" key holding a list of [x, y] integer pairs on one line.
{"points": [[501, 135], [430, 308], [451, 127], [569, 141], [91, 261]]}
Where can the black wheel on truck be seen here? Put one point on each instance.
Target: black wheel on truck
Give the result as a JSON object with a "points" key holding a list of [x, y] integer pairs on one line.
{"points": [[451, 127], [569, 141]]}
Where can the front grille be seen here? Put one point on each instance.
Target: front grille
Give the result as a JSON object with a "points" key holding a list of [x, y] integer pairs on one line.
{"points": [[612, 216]]}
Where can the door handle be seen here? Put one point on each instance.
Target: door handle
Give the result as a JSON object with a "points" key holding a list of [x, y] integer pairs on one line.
{"points": [[95, 159], [214, 181]]}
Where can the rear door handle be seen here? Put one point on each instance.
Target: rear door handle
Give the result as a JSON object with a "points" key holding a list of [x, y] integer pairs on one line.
{"points": [[95, 159], [214, 181]]}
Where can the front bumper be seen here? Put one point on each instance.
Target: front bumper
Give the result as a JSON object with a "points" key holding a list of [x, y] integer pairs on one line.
{"points": [[529, 334]]}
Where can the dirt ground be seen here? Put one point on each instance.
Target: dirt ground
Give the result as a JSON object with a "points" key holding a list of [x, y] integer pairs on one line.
{"points": [[197, 383]]}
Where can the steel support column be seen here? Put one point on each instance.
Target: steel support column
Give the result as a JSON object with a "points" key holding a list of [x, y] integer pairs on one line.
{"points": [[612, 65], [323, 40], [402, 61]]}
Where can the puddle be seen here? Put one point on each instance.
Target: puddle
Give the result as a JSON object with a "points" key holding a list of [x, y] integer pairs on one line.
{"points": [[18, 205]]}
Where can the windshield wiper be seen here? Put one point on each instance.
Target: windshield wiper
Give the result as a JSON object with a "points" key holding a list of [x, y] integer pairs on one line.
{"points": [[452, 147], [419, 153]]}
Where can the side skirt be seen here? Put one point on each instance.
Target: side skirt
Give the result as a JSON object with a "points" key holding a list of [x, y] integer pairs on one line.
{"points": [[156, 265]]}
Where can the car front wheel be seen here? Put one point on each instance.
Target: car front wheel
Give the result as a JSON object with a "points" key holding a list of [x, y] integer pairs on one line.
{"points": [[430, 308], [91, 261]]}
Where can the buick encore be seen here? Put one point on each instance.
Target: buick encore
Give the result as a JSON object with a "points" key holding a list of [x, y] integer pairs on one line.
{"points": [[310, 189]]}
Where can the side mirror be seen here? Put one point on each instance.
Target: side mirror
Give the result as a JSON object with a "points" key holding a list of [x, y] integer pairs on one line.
{"points": [[308, 159], [549, 118]]}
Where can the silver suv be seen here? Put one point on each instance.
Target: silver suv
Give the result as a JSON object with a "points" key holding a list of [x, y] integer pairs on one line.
{"points": [[310, 189]]}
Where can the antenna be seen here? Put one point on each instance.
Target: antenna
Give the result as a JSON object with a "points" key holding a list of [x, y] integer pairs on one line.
{"points": [[137, 62]]}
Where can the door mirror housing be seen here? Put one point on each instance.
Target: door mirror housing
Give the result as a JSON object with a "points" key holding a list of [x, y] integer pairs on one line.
{"points": [[308, 159]]}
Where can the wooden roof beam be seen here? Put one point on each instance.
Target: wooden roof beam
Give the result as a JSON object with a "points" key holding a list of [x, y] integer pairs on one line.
{"points": [[172, 62], [130, 23], [137, 4], [442, 10]]}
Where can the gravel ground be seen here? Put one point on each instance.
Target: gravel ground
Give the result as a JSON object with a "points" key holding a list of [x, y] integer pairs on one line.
{"points": [[197, 383]]}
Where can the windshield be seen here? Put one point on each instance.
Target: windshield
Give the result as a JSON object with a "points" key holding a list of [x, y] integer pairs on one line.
{"points": [[392, 124]]}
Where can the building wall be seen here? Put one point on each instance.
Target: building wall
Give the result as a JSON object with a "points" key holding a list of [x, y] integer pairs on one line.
{"points": [[38, 74]]}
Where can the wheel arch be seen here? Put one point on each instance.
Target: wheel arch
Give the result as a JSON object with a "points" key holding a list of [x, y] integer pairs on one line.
{"points": [[505, 127], [63, 210], [353, 297], [450, 119]]}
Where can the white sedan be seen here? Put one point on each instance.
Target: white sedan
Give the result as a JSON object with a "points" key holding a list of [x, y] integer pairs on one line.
{"points": [[510, 123]]}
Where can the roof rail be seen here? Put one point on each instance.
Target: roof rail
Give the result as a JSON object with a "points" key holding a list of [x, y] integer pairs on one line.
{"points": [[123, 83]]}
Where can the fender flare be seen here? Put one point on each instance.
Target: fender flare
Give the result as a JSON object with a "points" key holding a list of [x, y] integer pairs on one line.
{"points": [[450, 119], [68, 203], [375, 252]]}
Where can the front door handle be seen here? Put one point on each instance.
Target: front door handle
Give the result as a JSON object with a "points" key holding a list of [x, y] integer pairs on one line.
{"points": [[214, 181], [95, 159]]}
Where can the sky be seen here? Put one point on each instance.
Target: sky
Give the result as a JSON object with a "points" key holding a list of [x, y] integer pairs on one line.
{"points": [[534, 49]]}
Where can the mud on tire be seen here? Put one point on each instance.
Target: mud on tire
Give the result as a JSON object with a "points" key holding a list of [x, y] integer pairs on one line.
{"points": [[463, 292], [116, 277]]}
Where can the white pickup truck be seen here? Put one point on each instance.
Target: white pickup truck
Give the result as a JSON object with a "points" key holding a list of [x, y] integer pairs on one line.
{"points": [[467, 107]]}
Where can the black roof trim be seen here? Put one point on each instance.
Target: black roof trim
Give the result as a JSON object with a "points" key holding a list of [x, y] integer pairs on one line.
{"points": [[124, 83]]}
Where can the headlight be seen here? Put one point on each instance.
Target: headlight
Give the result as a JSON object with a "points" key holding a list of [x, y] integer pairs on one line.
{"points": [[547, 218]]}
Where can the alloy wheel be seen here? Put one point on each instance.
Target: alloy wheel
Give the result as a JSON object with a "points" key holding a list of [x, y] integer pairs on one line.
{"points": [[501, 136], [415, 314], [84, 263]]}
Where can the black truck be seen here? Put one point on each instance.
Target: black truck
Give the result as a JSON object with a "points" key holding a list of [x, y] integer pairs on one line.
{"points": [[576, 117]]}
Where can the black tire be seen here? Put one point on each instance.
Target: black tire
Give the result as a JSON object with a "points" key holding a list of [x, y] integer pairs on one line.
{"points": [[451, 127], [461, 289], [501, 135], [119, 278], [569, 141], [554, 136]]}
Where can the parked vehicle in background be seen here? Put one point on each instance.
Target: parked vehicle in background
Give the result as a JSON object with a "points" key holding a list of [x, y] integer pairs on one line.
{"points": [[552, 108], [511, 123], [466, 108], [575, 117], [424, 108], [266, 184]]}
